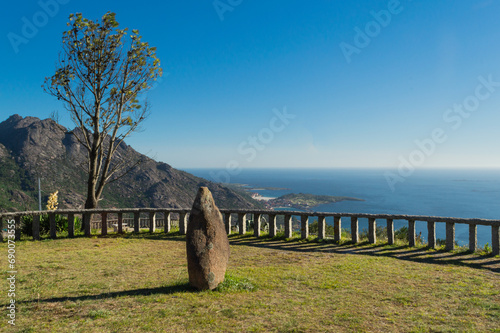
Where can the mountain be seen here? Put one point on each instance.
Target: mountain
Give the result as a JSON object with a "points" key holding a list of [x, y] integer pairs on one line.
{"points": [[31, 148]]}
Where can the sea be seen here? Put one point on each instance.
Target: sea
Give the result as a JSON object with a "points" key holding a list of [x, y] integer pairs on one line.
{"points": [[466, 193]]}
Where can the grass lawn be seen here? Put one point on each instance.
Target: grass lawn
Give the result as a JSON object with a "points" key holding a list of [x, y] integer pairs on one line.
{"points": [[138, 283]]}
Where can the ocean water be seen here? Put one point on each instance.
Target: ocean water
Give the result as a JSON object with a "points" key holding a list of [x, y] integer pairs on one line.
{"points": [[450, 193]]}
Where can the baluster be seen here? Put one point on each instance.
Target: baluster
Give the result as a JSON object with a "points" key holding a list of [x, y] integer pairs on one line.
{"points": [[256, 225], [52, 223], [272, 225], [137, 218], [337, 228], [288, 226], [354, 230], [87, 217], [242, 223], [472, 237], [431, 234], [71, 225], [167, 225], [390, 231], [120, 222], [182, 223], [372, 230], [227, 222], [17, 226], [152, 222], [450, 236], [36, 227], [304, 226], [495, 240], [412, 237], [321, 227]]}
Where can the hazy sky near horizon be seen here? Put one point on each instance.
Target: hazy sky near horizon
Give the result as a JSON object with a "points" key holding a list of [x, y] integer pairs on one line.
{"points": [[319, 83]]}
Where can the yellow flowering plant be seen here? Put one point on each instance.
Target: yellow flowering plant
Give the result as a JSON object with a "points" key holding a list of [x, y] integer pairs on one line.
{"points": [[52, 202]]}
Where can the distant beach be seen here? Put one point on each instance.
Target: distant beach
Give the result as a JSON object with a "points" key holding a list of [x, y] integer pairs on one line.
{"points": [[262, 198]]}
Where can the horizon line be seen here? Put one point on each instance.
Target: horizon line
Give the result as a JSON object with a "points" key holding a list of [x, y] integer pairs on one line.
{"points": [[347, 168]]}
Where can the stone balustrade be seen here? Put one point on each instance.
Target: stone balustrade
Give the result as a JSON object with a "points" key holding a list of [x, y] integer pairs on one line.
{"points": [[163, 218]]}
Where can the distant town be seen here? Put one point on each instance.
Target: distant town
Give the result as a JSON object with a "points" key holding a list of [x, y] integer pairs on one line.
{"points": [[300, 201]]}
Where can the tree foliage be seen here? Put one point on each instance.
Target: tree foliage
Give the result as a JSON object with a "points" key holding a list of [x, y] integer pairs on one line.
{"points": [[101, 73]]}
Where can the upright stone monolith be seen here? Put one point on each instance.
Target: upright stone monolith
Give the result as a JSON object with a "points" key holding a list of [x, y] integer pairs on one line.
{"points": [[207, 245]]}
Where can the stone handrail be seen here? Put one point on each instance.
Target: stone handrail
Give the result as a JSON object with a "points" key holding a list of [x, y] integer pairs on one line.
{"points": [[272, 215]]}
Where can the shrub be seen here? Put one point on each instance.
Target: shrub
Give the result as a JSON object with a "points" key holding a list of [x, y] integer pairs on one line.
{"points": [[380, 232], [61, 224], [329, 230], [402, 235], [442, 242], [345, 234], [249, 224], [313, 228], [487, 248]]}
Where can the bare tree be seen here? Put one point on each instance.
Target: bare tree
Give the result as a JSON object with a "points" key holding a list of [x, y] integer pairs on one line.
{"points": [[101, 72]]}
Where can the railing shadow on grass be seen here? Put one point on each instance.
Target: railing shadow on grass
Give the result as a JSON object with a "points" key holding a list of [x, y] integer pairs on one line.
{"points": [[403, 252], [166, 290]]}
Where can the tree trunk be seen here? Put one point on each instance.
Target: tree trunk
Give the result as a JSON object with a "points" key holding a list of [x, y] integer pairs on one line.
{"points": [[92, 200], [90, 203], [93, 176]]}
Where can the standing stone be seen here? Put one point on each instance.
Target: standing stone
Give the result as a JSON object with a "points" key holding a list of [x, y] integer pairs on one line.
{"points": [[207, 245]]}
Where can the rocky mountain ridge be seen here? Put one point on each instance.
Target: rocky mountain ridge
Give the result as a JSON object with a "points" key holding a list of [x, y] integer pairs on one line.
{"points": [[31, 148]]}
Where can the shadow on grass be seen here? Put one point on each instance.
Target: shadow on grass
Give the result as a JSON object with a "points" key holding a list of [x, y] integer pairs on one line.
{"points": [[171, 236], [400, 251], [419, 254], [167, 290], [230, 284]]}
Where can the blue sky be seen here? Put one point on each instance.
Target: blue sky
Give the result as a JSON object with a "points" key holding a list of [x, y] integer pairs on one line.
{"points": [[250, 84]]}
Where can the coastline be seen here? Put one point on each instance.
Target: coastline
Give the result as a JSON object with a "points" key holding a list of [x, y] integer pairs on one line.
{"points": [[433, 192], [301, 201]]}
